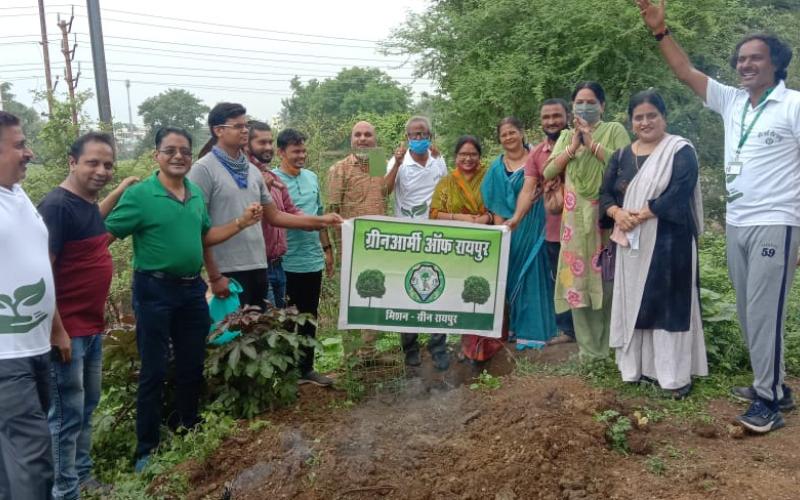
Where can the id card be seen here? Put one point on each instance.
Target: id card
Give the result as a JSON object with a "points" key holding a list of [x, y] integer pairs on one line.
{"points": [[733, 168]]}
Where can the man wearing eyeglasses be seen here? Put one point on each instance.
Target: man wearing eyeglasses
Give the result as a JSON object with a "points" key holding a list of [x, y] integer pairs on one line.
{"points": [[413, 173], [230, 182], [167, 217]]}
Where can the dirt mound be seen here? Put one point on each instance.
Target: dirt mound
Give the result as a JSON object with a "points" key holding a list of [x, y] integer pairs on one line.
{"points": [[532, 438]]}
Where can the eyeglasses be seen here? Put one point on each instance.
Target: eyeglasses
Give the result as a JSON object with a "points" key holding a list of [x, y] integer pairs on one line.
{"points": [[174, 151], [238, 127], [468, 156], [419, 135]]}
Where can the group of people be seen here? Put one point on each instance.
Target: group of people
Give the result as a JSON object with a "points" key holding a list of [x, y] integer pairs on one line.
{"points": [[603, 248]]}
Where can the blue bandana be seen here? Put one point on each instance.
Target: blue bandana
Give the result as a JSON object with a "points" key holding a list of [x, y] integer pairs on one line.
{"points": [[238, 168]]}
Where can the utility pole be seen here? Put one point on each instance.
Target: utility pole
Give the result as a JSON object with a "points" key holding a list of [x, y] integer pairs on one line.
{"points": [[99, 61], [130, 114], [46, 53], [69, 55]]}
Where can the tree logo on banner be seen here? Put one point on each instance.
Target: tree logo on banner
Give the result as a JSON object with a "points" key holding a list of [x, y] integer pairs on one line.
{"points": [[424, 282]]}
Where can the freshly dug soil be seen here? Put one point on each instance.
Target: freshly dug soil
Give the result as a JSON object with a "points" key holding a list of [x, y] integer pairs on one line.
{"points": [[533, 438]]}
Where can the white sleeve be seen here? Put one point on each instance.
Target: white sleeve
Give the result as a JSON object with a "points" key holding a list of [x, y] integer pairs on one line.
{"points": [[389, 165], [719, 97]]}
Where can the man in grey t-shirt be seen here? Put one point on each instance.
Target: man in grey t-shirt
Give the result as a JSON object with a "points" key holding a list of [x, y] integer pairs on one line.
{"points": [[229, 182]]}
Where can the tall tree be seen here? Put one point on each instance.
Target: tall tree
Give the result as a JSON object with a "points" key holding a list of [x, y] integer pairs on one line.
{"points": [[352, 91], [494, 58], [176, 108]]}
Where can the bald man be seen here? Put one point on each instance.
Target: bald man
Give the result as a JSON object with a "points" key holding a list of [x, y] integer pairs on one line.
{"points": [[351, 190]]}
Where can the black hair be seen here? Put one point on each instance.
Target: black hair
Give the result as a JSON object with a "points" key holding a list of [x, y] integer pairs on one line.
{"points": [[218, 115], [8, 120], [594, 87], [514, 122], [779, 52], [556, 101], [165, 131], [647, 96], [468, 139], [290, 137], [254, 125], [77, 147]]}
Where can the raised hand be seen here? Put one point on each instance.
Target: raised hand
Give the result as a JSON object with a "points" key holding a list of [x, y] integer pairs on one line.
{"points": [[399, 155], [653, 15]]}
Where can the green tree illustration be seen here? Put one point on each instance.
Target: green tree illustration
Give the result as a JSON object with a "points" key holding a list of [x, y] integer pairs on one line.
{"points": [[476, 291], [371, 283]]}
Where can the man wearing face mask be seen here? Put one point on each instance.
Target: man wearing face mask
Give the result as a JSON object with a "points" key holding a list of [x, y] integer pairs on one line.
{"points": [[413, 175], [352, 192], [413, 172], [554, 115]]}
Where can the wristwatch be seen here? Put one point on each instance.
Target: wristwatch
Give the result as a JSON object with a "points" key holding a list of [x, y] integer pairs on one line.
{"points": [[660, 36]]}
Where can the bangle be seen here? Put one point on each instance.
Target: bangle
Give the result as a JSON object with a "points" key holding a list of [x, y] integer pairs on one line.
{"points": [[595, 148], [660, 36], [238, 223], [569, 152]]}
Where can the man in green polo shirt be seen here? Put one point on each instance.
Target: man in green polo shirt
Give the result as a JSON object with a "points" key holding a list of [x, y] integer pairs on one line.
{"points": [[170, 225]]}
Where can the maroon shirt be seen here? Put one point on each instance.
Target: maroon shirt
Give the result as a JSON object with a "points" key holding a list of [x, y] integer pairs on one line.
{"points": [[534, 167], [83, 267], [275, 237]]}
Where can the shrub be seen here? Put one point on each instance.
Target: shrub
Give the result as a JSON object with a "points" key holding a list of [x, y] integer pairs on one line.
{"points": [[256, 370]]}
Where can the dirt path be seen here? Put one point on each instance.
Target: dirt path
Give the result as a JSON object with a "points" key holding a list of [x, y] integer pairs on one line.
{"points": [[534, 438]]}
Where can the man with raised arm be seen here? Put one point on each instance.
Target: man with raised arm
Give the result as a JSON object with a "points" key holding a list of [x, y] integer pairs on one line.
{"points": [[762, 174]]}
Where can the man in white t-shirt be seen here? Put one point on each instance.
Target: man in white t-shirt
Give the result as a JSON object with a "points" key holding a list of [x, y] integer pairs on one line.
{"points": [[29, 324], [762, 175], [413, 174]]}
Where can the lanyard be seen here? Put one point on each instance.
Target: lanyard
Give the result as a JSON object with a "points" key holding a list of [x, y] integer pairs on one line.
{"points": [[746, 133]]}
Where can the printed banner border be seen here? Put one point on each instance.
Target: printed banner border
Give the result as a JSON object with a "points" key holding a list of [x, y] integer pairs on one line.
{"points": [[348, 241]]}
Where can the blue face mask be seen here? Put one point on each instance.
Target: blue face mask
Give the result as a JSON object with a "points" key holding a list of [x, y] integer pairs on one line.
{"points": [[419, 146]]}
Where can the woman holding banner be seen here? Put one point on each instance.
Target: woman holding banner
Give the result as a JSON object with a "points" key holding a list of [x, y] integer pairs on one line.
{"points": [[583, 154], [458, 197], [530, 305]]}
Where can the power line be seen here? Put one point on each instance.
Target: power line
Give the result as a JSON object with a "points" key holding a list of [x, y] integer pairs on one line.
{"points": [[236, 35], [271, 52], [191, 21]]}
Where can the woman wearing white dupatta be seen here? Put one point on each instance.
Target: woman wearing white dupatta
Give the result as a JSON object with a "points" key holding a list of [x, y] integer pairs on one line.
{"points": [[652, 193]]}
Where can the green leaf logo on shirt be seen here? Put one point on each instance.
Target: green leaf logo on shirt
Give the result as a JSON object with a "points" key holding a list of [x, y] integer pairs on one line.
{"points": [[26, 295]]}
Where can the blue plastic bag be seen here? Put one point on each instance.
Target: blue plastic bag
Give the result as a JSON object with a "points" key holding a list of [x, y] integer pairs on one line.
{"points": [[219, 308]]}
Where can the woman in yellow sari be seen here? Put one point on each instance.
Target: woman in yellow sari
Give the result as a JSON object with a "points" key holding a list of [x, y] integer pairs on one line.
{"points": [[458, 197]]}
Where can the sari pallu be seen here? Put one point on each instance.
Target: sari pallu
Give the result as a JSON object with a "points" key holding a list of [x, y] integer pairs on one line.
{"points": [[529, 299], [456, 195]]}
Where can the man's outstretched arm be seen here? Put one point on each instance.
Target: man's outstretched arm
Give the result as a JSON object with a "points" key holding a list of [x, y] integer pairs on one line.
{"points": [[654, 17]]}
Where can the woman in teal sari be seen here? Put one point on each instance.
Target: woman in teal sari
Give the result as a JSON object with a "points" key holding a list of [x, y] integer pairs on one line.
{"points": [[530, 305]]}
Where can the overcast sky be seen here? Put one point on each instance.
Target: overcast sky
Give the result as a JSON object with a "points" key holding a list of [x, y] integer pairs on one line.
{"points": [[243, 51]]}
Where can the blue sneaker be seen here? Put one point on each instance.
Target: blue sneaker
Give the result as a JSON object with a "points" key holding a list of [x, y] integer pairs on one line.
{"points": [[748, 395], [141, 464], [760, 419]]}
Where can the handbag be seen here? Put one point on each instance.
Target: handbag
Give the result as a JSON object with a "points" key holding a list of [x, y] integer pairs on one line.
{"points": [[608, 260], [608, 255], [554, 196]]}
